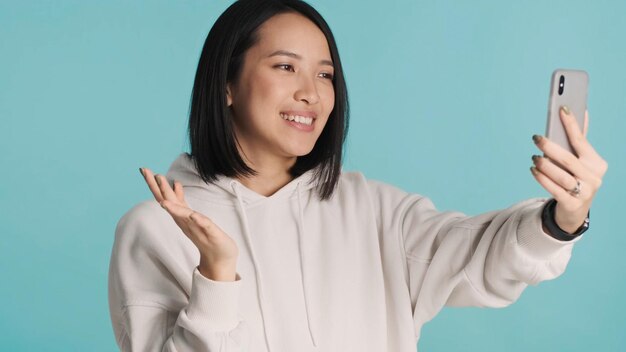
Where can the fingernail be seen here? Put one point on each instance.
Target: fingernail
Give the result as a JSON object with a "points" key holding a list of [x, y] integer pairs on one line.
{"points": [[536, 138], [533, 170], [141, 172], [156, 177], [565, 109], [535, 157], [162, 205]]}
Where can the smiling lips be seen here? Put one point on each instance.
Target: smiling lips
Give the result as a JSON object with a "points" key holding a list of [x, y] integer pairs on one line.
{"points": [[298, 118]]}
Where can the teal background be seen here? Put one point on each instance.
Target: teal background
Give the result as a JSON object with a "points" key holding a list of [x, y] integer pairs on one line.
{"points": [[445, 96]]}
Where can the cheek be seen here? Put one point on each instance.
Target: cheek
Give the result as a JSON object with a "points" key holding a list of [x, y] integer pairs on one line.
{"points": [[259, 90], [258, 86], [329, 99]]}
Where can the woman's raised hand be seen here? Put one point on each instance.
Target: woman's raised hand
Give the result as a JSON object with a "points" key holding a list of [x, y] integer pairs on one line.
{"points": [[575, 185], [218, 252]]}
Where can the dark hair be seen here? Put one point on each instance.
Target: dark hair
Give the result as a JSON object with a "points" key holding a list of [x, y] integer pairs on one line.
{"points": [[211, 133]]}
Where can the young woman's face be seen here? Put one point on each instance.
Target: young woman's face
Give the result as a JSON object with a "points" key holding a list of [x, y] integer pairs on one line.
{"points": [[286, 74]]}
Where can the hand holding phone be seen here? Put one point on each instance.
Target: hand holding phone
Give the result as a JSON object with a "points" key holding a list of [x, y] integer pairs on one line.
{"points": [[586, 168]]}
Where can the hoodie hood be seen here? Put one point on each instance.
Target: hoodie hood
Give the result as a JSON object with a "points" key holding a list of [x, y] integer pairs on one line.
{"points": [[183, 169], [229, 190]]}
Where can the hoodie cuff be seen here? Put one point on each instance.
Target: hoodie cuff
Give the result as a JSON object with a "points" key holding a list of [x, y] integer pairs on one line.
{"points": [[214, 304], [530, 234]]}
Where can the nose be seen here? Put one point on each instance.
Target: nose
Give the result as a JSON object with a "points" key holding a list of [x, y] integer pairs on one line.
{"points": [[307, 91]]}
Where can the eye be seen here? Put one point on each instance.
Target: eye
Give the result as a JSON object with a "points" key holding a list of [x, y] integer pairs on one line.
{"points": [[287, 67], [327, 75]]}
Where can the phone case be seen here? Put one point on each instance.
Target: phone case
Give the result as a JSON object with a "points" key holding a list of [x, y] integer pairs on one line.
{"points": [[574, 95]]}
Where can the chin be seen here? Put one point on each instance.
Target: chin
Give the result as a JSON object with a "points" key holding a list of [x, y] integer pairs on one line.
{"points": [[302, 153], [298, 147]]}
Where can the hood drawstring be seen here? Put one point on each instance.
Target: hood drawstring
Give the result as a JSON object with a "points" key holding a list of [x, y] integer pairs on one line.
{"points": [[301, 238], [257, 269]]}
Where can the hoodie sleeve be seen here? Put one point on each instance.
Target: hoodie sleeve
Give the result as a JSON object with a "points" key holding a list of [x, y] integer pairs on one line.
{"points": [[458, 260], [150, 309]]}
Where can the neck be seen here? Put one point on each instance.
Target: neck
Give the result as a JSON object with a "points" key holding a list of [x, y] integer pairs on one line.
{"points": [[272, 174]]}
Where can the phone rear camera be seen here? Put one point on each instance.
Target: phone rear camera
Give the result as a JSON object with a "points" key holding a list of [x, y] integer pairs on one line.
{"points": [[561, 84]]}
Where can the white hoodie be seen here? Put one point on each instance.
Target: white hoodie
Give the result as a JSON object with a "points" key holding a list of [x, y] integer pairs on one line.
{"points": [[360, 272]]}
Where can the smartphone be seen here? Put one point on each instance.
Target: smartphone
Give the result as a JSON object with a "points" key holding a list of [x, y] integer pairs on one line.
{"points": [[568, 87]]}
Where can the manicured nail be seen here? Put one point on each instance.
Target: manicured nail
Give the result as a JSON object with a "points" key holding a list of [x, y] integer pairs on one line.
{"points": [[565, 109], [156, 177], [141, 172], [535, 157], [533, 170], [536, 138]]}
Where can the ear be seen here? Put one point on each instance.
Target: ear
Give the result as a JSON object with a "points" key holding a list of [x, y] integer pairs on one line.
{"points": [[229, 97]]}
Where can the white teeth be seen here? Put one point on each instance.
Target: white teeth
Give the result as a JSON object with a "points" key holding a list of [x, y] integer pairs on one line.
{"points": [[299, 119]]}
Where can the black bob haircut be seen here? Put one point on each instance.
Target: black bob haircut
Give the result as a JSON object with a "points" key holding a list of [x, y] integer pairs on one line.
{"points": [[211, 133]]}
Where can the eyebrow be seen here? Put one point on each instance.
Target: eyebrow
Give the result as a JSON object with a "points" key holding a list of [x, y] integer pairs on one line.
{"points": [[296, 56]]}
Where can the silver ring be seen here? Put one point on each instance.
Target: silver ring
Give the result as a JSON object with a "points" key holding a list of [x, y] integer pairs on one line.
{"points": [[576, 191]]}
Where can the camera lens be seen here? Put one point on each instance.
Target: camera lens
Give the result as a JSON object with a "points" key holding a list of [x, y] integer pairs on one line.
{"points": [[561, 84]]}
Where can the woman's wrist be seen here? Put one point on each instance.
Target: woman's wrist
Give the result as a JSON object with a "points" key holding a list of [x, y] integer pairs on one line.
{"points": [[215, 272], [552, 228], [218, 275]]}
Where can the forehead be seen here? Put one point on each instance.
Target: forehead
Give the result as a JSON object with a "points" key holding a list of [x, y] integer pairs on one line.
{"points": [[294, 32]]}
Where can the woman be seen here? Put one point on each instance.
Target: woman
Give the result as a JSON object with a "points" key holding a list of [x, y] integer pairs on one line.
{"points": [[258, 242]]}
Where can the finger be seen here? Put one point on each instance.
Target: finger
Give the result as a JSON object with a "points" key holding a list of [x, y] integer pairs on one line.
{"points": [[558, 192], [203, 230], [178, 190], [152, 185], [164, 186], [557, 175], [563, 157], [181, 214], [585, 149], [574, 132]]}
